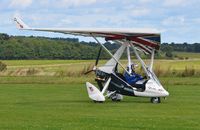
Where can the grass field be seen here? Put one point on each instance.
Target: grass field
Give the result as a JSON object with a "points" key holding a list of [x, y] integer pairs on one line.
{"points": [[26, 104], [51, 102]]}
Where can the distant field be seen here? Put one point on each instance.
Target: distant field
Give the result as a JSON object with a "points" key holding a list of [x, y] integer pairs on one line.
{"points": [[41, 62], [188, 55], [78, 67], [45, 67], [56, 103]]}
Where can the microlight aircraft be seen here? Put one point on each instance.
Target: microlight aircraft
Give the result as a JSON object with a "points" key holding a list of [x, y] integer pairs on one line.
{"points": [[111, 83]]}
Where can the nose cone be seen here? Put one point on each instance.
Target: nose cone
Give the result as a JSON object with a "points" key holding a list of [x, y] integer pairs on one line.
{"points": [[166, 94]]}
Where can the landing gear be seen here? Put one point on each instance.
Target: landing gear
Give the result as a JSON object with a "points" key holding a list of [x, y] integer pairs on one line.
{"points": [[116, 97], [155, 100]]}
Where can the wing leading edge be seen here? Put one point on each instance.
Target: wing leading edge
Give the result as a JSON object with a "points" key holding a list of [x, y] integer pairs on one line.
{"points": [[144, 39]]}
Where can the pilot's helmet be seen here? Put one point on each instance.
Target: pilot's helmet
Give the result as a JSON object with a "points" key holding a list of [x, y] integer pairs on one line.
{"points": [[133, 66], [127, 68]]}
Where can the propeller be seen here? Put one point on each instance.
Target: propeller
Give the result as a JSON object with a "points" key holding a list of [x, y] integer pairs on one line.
{"points": [[88, 72], [96, 62], [98, 56]]}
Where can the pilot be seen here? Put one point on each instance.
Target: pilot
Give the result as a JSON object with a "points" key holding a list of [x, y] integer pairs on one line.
{"points": [[133, 77]]}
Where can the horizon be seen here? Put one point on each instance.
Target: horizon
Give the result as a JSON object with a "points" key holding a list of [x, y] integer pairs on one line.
{"points": [[177, 20]]}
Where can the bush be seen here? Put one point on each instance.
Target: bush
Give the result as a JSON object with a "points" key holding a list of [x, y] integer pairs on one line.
{"points": [[3, 66], [188, 72], [4, 36], [32, 71], [158, 70]]}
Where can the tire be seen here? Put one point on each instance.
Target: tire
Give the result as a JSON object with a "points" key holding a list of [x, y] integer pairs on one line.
{"points": [[155, 100], [116, 100], [97, 101], [116, 97]]}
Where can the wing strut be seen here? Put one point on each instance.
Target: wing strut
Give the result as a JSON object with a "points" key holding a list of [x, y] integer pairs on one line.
{"points": [[144, 66], [109, 52], [129, 59], [147, 68], [152, 59]]}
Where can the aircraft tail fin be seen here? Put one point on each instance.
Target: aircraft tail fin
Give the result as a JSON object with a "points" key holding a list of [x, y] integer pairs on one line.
{"points": [[94, 93], [20, 24]]}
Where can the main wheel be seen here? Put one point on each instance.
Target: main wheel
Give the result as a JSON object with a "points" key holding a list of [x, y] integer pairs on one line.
{"points": [[116, 100], [116, 97], [155, 100]]}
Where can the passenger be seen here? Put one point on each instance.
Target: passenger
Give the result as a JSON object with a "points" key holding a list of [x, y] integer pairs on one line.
{"points": [[133, 77]]}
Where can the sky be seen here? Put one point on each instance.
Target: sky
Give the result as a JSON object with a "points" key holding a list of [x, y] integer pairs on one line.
{"points": [[177, 20]]}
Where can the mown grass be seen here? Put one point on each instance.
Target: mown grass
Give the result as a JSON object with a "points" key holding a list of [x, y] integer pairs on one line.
{"points": [[56, 103], [78, 80]]}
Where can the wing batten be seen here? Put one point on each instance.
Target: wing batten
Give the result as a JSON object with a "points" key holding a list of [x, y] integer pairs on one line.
{"points": [[146, 43], [142, 47]]}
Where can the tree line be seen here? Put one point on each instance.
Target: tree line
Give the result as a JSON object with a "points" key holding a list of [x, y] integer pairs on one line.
{"points": [[21, 47]]}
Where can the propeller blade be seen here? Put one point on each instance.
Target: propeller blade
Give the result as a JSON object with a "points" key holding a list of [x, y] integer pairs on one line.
{"points": [[88, 72], [98, 56], [116, 68], [96, 63]]}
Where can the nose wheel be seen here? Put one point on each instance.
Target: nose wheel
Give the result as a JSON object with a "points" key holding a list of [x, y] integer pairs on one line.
{"points": [[155, 100]]}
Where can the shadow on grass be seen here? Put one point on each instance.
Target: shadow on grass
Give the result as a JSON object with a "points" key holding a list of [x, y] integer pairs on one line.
{"points": [[83, 101]]}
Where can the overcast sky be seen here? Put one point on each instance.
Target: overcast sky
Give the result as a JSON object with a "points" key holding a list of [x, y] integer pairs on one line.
{"points": [[177, 20]]}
